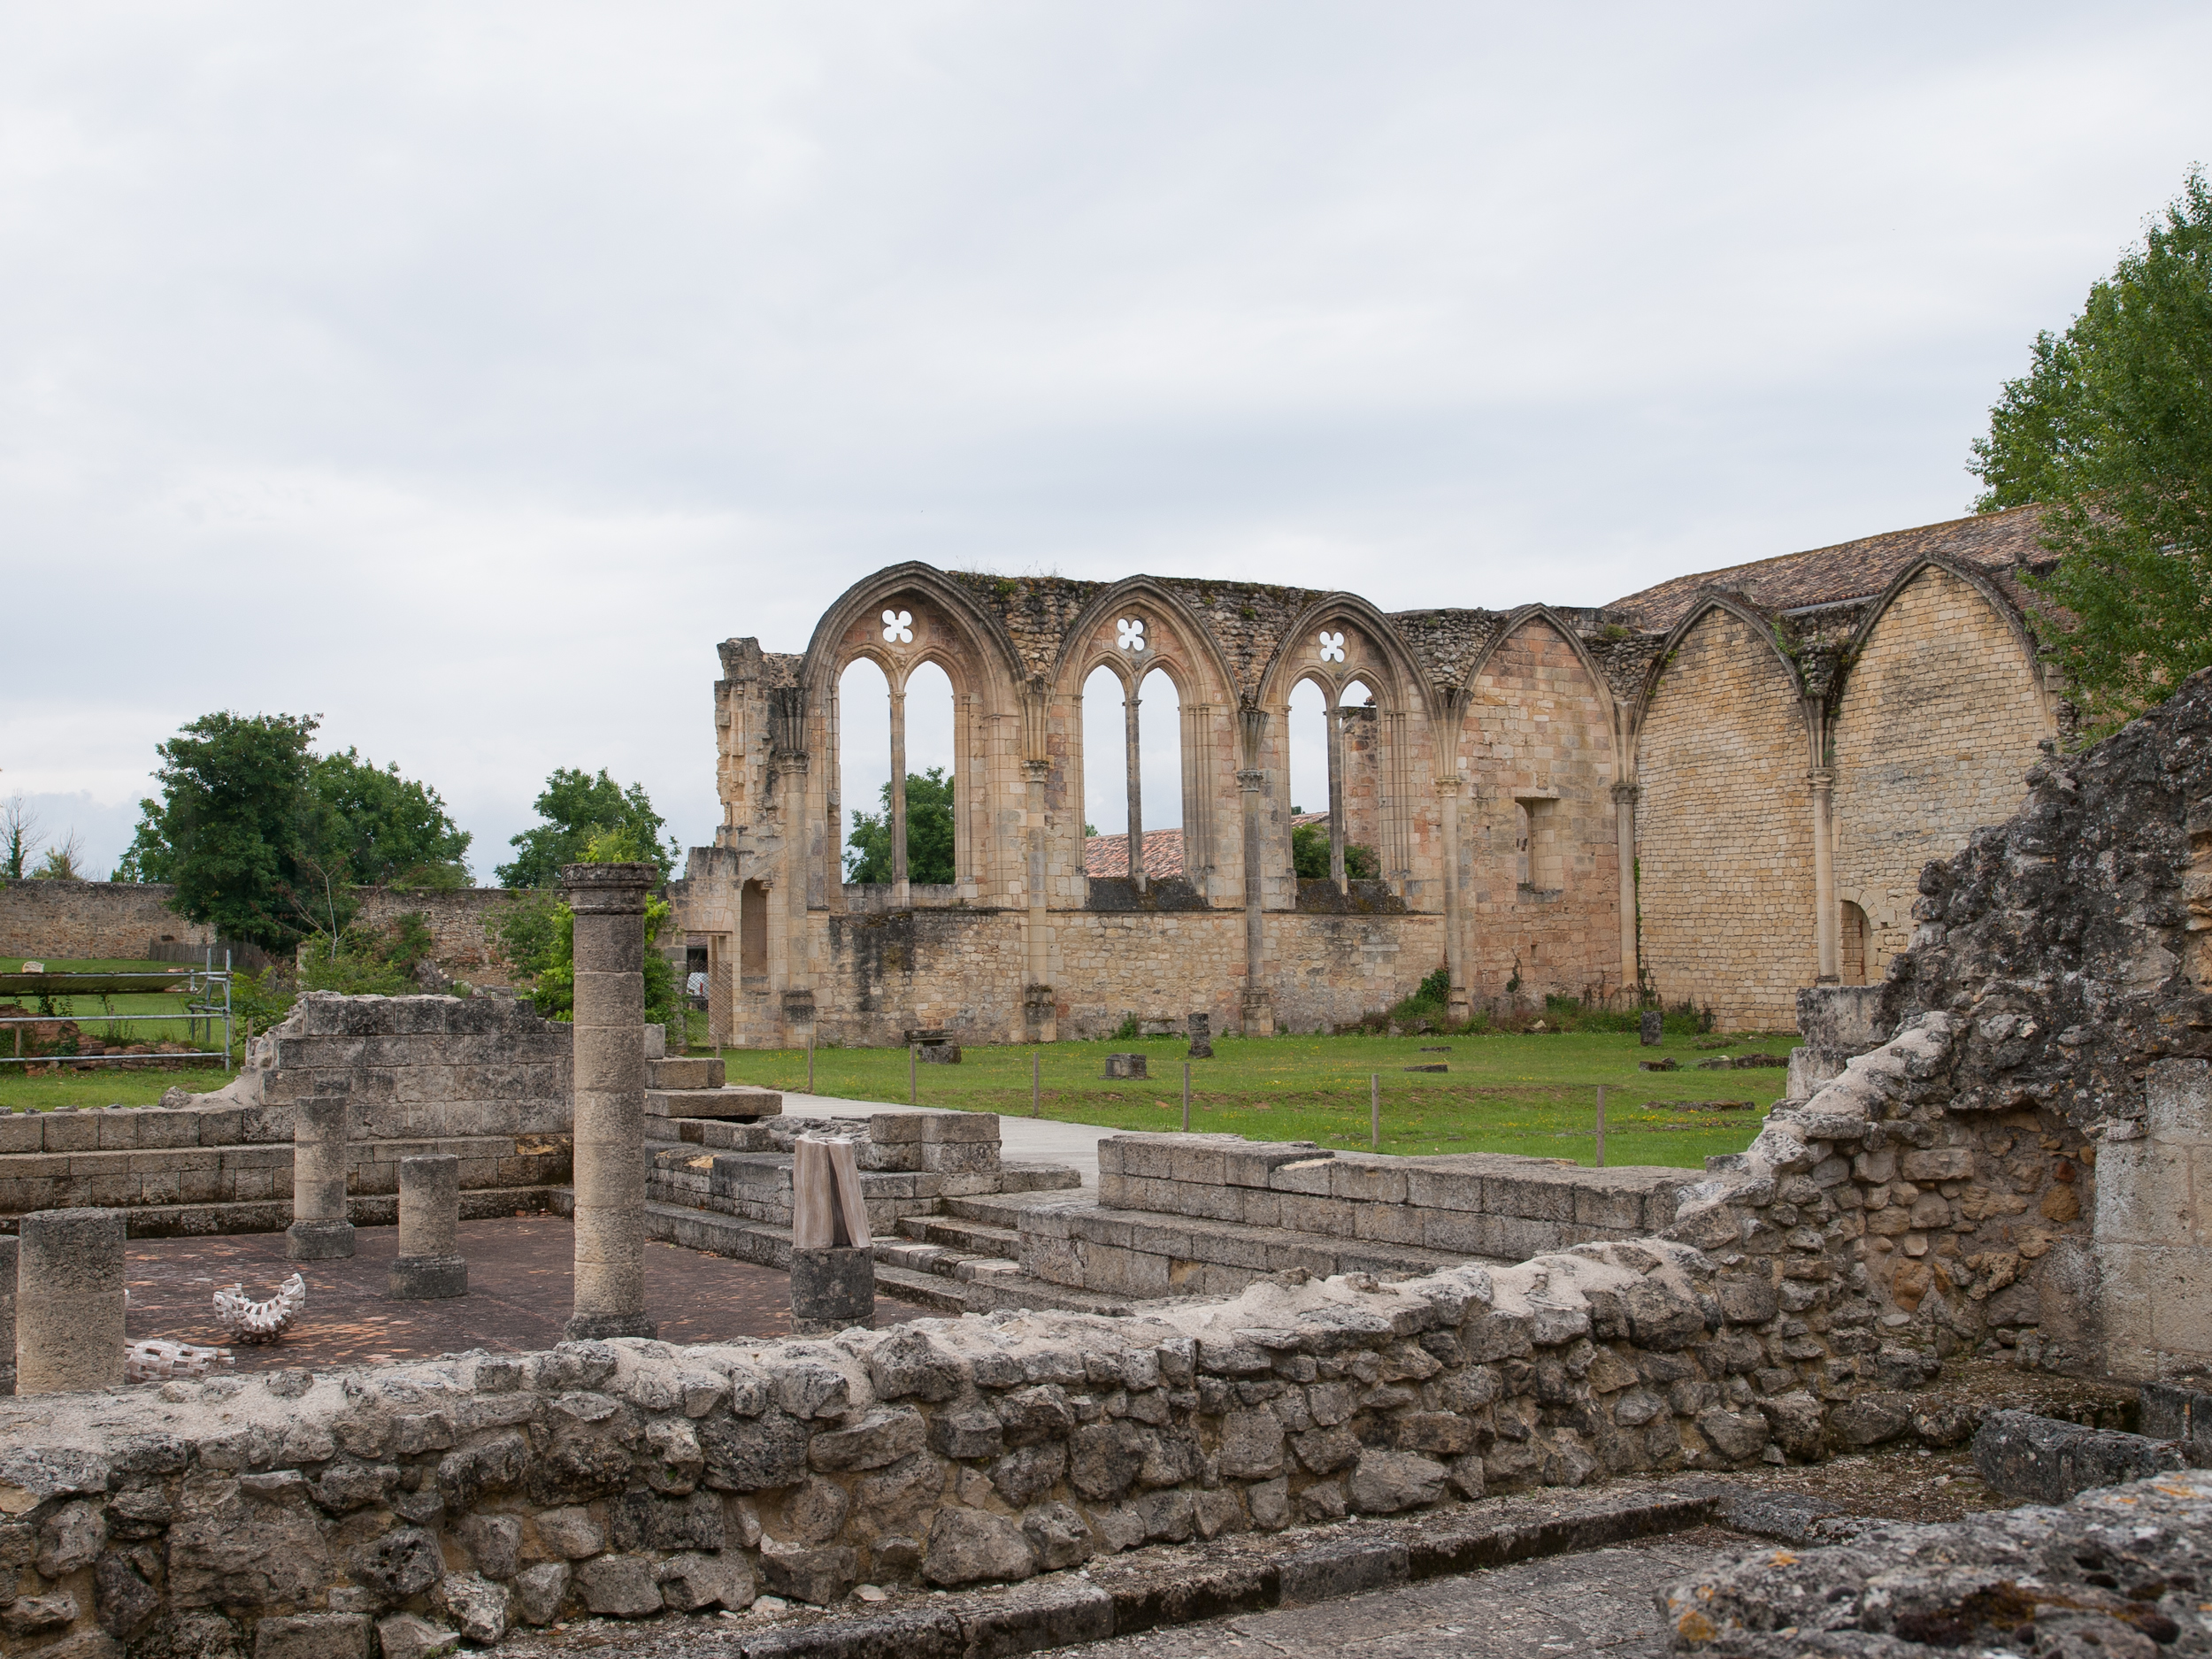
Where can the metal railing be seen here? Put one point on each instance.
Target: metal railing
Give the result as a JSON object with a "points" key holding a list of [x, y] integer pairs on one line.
{"points": [[202, 1010]]}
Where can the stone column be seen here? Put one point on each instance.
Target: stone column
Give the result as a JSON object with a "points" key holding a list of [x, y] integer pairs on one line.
{"points": [[901, 897], [428, 1266], [321, 1126], [609, 901], [1825, 943], [1130, 758], [1448, 791], [69, 1301], [1037, 1000], [1336, 795], [1259, 1019], [1625, 840]]}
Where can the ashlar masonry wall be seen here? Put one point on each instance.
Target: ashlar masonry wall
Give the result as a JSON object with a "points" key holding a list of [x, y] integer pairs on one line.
{"points": [[1935, 733], [1724, 829], [1538, 744]]}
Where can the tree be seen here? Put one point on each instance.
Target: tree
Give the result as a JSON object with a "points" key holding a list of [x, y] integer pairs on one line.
{"points": [[929, 833], [64, 861], [18, 837], [386, 830], [267, 840], [577, 807], [1309, 855], [2111, 429]]}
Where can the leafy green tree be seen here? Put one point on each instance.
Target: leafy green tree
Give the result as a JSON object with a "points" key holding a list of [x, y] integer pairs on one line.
{"points": [[2111, 428], [234, 830], [1309, 855], [538, 935], [385, 829], [929, 833], [575, 807]]}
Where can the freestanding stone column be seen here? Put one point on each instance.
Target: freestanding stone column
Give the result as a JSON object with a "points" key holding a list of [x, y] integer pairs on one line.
{"points": [[1457, 1003], [319, 1231], [1624, 852], [1259, 1019], [69, 1301], [428, 1267], [609, 901]]}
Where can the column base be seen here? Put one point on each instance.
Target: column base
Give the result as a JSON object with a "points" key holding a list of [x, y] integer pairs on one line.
{"points": [[427, 1278], [832, 1289], [319, 1241], [597, 1327], [1259, 1017]]}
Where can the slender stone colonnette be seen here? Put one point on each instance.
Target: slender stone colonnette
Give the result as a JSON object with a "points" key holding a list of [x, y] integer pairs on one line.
{"points": [[609, 901], [322, 1126]]}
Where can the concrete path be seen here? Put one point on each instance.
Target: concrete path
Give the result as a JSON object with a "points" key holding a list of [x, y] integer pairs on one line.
{"points": [[1022, 1140]]}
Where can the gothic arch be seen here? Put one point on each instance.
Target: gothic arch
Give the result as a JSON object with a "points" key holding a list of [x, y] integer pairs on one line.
{"points": [[1298, 654], [1208, 679]]}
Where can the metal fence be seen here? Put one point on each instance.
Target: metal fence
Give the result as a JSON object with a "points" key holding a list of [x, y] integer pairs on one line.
{"points": [[207, 1004]]}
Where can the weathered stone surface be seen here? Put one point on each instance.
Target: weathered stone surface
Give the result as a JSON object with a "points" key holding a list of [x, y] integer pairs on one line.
{"points": [[972, 1546], [312, 1636], [479, 1608], [494, 1544], [1058, 1536], [2027, 1456], [691, 1581], [618, 1587], [880, 1437], [1384, 1483], [227, 1550], [408, 1636], [406, 1562], [816, 1575], [754, 1455]]}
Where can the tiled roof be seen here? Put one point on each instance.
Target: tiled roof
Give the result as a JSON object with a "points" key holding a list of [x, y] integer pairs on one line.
{"points": [[1109, 855], [1999, 542]]}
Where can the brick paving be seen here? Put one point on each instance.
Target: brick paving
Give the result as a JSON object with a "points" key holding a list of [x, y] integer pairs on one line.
{"points": [[518, 1300]]}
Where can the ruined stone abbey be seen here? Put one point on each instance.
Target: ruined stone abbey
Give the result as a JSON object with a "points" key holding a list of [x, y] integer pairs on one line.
{"points": [[1720, 789]]}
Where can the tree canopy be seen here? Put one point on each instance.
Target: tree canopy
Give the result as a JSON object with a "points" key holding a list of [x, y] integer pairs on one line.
{"points": [[577, 808], [2111, 429], [929, 834], [265, 839]]}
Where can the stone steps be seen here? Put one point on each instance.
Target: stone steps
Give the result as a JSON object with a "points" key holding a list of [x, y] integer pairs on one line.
{"points": [[683, 1071], [733, 1100], [969, 1238], [994, 1209], [1037, 1178]]}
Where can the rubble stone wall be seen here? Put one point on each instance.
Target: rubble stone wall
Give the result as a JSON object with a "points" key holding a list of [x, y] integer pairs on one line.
{"points": [[1936, 730], [1724, 829], [241, 1514]]}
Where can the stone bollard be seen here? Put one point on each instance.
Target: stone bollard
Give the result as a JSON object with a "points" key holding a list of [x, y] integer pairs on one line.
{"points": [[1201, 1037], [609, 901], [1126, 1065], [428, 1267], [69, 1301], [832, 1256], [322, 1126], [1650, 1028]]}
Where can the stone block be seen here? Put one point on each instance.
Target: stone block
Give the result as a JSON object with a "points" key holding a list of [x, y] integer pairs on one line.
{"points": [[1938, 1164], [1366, 1180], [1445, 1189], [1332, 1218], [21, 1133], [312, 1636], [2178, 1094], [71, 1132], [2047, 1461]]}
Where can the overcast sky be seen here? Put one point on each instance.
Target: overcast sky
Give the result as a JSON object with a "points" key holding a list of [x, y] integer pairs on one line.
{"points": [[463, 373]]}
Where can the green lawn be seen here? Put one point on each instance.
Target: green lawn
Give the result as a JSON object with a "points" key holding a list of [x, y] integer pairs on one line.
{"points": [[1532, 1095], [109, 1018]]}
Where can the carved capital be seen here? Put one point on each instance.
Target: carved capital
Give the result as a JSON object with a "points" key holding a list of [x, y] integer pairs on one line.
{"points": [[1449, 788], [1821, 780], [1036, 771], [1251, 782], [1624, 795]]}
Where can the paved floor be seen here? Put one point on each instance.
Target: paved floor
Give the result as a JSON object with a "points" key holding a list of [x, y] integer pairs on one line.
{"points": [[1599, 1602], [519, 1293]]}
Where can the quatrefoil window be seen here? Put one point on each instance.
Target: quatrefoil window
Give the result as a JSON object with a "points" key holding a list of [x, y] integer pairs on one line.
{"points": [[898, 628], [1132, 637], [1332, 647]]}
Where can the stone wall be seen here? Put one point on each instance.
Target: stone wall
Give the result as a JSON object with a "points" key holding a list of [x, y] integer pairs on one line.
{"points": [[483, 1079], [1724, 829], [122, 921], [290, 1512], [91, 920], [1538, 738], [1936, 730]]}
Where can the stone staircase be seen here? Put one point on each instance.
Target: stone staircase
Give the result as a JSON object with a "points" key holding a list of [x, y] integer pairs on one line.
{"points": [[689, 1087]]}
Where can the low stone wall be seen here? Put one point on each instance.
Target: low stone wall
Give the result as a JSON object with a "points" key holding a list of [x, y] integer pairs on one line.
{"points": [[261, 1514], [483, 1079]]}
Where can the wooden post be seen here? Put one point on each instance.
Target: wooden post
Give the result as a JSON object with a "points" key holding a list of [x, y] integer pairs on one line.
{"points": [[1036, 1085], [1374, 1109], [810, 1059], [1601, 1125], [1187, 1097], [913, 1067]]}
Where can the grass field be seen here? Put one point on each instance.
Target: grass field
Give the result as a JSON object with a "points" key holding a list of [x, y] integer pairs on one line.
{"points": [[108, 1017], [1533, 1094]]}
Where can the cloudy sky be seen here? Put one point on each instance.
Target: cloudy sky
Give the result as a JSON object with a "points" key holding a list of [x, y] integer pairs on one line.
{"points": [[462, 375]]}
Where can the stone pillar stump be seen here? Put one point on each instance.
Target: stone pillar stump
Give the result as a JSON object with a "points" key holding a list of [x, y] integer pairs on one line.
{"points": [[429, 1267], [322, 1126], [609, 901], [69, 1301]]}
